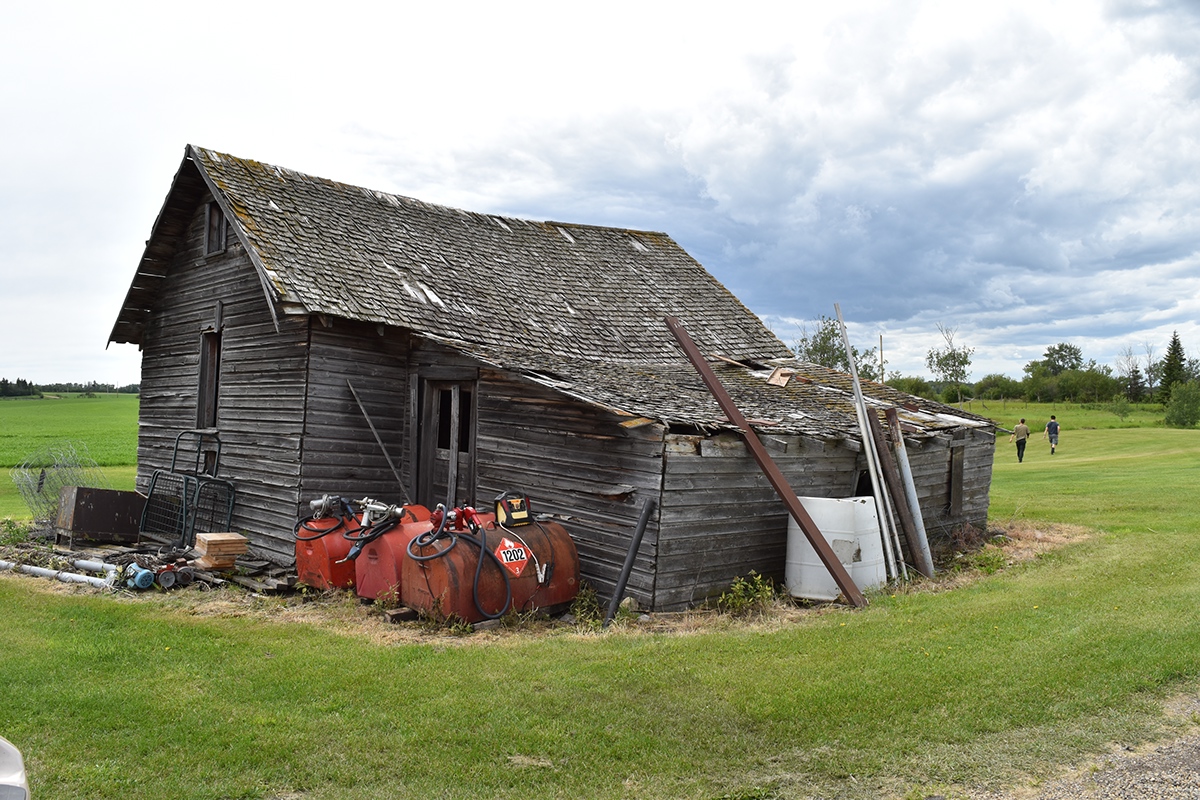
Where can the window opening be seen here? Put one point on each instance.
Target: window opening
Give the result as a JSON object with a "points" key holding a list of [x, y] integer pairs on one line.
{"points": [[210, 369], [446, 420], [214, 230]]}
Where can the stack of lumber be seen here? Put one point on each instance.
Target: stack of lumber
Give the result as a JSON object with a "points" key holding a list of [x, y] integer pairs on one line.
{"points": [[219, 550]]}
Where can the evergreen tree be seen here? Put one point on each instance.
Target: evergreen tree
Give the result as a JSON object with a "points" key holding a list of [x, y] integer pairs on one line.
{"points": [[1183, 409], [1174, 368], [1135, 387]]}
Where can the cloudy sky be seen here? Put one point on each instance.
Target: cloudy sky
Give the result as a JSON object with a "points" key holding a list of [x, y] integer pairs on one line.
{"points": [[1025, 173]]}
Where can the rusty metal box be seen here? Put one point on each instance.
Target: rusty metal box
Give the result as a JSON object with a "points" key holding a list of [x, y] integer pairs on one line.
{"points": [[98, 516]]}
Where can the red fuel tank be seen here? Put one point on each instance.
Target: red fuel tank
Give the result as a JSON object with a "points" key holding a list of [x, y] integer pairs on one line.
{"points": [[325, 541], [319, 546], [535, 566], [377, 568]]}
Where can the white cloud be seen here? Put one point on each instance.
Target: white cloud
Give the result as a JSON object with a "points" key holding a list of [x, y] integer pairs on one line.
{"points": [[1028, 172]]}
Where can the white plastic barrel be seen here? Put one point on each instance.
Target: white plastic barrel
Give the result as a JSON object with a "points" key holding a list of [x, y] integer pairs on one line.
{"points": [[851, 527]]}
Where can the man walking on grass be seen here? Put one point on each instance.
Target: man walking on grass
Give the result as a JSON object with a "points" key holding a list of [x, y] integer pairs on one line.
{"points": [[1020, 436], [1051, 433]]}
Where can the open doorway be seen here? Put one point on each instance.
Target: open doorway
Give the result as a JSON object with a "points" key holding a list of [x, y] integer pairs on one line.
{"points": [[446, 443]]}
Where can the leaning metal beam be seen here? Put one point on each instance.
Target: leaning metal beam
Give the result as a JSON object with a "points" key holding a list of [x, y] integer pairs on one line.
{"points": [[769, 467]]}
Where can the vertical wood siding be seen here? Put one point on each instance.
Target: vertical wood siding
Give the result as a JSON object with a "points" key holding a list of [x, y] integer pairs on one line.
{"points": [[931, 463], [575, 462]]}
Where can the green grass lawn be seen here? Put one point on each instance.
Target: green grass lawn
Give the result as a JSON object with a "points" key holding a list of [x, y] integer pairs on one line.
{"points": [[920, 693], [102, 428], [106, 426]]}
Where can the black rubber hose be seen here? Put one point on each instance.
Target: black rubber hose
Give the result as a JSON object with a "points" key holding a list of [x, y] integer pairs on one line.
{"points": [[428, 538], [370, 534], [303, 524], [481, 543]]}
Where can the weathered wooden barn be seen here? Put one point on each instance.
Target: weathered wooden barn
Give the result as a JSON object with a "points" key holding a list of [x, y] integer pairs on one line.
{"points": [[492, 353]]}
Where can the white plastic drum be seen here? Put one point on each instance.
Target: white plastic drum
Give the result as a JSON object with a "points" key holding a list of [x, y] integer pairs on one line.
{"points": [[851, 527]]}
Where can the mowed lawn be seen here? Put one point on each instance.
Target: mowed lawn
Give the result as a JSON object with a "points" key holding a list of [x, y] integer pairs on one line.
{"points": [[102, 428], [923, 692]]}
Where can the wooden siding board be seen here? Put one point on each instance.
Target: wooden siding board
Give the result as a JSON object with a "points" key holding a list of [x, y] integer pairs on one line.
{"points": [[261, 387], [341, 455], [721, 518], [564, 454]]}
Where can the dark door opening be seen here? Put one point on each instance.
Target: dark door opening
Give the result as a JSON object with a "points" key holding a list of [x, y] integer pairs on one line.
{"points": [[447, 444]]}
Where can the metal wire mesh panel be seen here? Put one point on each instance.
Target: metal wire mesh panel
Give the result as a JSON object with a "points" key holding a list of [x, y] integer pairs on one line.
{"points": [[186, 499], [168, 507], [212, 510], [41, 476]]}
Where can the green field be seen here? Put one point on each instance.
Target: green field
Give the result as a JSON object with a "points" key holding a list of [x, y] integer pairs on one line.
{"points": [[1073, 415], [102, 428], [924, 692]]}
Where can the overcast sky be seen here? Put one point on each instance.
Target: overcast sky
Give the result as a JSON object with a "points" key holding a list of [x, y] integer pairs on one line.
{"points": [[1026, 173]]}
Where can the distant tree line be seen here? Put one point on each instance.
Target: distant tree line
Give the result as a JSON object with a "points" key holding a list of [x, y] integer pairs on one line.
{"points": [[23, 388], [18, 388], [1061, 375]]}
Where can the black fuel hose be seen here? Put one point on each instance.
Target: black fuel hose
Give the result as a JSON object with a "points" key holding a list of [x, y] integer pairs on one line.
{"points": [[428, 539], [365, 536], [481, 543], [304, 525]]}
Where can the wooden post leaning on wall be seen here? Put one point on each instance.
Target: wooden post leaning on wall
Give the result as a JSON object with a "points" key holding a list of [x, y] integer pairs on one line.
{"points": [[774, 475]]}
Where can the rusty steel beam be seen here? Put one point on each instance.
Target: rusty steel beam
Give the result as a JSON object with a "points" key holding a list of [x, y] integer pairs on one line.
{"points": [[776, 477]]}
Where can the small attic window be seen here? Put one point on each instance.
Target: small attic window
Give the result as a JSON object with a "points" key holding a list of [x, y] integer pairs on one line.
{"points": [[215, 230]]}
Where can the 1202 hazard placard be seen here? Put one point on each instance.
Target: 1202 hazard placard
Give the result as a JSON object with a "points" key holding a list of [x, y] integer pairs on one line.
{"points": [[513, 555]]}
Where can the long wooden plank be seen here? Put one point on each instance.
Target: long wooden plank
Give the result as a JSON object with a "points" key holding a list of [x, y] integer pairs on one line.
{"points": [[840, 576]]}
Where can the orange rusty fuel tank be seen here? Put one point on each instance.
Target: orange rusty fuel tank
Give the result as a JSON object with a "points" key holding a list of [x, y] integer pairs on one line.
{"points": [[320, 545], [534, 566], [326, 542]]}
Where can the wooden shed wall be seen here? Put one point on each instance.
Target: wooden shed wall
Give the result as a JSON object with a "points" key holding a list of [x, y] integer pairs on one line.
{"points": [[933, 468], [577, 462], [574, 461], [720, 516], [340, 455], [261, 392]]}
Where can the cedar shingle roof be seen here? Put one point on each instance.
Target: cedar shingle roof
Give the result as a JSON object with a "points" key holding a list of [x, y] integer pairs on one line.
{"points": [[575, 307]]}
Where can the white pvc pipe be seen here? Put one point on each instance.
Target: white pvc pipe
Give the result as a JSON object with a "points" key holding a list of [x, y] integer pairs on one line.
{"points": [[96, 566], [65, 577]]}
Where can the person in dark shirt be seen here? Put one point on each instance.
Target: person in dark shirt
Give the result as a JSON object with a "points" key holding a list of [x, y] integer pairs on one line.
{"points": [[1021, 437], [1051, 433]]}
